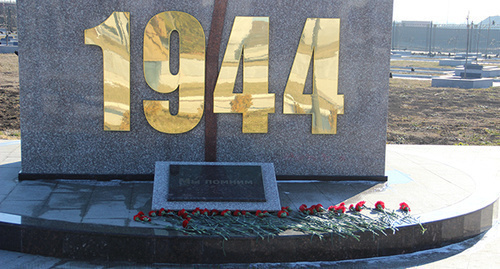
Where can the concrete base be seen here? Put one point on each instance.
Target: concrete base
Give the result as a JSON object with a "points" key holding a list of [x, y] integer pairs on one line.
{"points": [[8, 49], [401, 52], [485, 72], [451, 62], [457, 82]]}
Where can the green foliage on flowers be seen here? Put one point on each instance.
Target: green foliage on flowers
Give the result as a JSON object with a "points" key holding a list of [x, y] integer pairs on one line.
{"points": [[315, 221]]}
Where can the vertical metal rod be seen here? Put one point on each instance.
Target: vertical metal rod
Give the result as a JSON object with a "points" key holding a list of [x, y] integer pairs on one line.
{"points": [[211, 73]]}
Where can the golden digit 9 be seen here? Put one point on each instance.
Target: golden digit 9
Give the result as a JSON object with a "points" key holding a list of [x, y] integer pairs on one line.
{"points": [[190, 80]]}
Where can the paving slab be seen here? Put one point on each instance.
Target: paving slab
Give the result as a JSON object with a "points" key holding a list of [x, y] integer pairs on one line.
{"points": [[67, 200], [71, 215]]}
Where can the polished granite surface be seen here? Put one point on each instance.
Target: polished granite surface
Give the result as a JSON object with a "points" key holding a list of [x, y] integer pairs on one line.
{"points": [[434, 180], [454, 191]]}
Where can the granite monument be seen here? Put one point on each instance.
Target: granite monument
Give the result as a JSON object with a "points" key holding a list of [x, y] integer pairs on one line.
{"points": [[108, 88]]}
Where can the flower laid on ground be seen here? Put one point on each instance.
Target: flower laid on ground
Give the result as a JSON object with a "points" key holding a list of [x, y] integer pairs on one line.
{"points": [[152, 213], [311, 210], [237, 213], [404, 207], [162, 212], [214, 212], [379, 205], [137, 217], [314, 220], [196, 211], [225, 213], [181, 212], [141, 217], [359, 206], [259, 214], [338, 209], [283, 214]]}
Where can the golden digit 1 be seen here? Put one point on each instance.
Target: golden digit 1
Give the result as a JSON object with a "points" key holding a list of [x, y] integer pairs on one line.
{"points": [[321, 38], [190, 80], [250, 37], [113, 36]]}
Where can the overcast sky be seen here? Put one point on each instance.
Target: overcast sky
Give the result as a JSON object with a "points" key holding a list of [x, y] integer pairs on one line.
{"points": [[445, 11]]}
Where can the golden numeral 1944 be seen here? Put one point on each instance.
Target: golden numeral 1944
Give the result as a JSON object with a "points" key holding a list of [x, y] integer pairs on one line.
{"points": [[248, 42]]}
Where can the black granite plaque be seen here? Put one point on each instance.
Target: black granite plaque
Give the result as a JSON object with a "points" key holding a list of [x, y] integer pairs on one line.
{"points": [[236, 183]]}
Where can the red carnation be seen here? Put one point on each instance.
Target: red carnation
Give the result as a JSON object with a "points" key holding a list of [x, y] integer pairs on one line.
{"points": [[282, 214], [380, 205], [404, 207], [140, 213], [152, 213], [340, 209], [162, 212], [319, 208], [286, 208], [137, 217], [243, 212], [185, 223], [197, 211], [303, 208], [331, 208], [144, 218], [181, 212], [237, 213], [259, 214], [214, 212], [359, 206], [351, 207], [225, 213]]}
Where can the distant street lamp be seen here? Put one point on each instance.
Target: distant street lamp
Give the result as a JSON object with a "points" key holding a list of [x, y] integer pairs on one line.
{"points": [[478, 34], [488, 36], [467, 50]]}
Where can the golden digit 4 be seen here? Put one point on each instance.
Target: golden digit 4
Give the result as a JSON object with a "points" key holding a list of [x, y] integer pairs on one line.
{"points": [[249, 38], [320, 38]]}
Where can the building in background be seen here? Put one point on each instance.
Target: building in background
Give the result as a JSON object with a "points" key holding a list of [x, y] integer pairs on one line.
{"points": [[447, 38], [8, 15]]}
